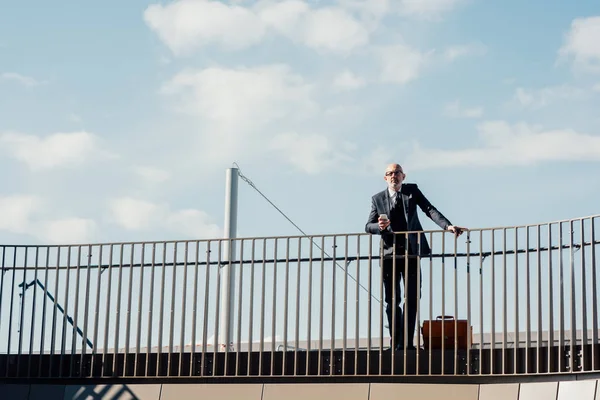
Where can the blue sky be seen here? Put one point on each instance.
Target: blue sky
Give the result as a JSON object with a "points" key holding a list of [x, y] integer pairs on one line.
{"points": [[118, 122]]}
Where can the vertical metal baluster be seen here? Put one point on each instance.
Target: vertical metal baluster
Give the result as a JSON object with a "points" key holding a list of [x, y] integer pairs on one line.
{"points": [[309, 313], [493, 304], [345, 308], [573, 302], [159, 357], [240, 295], [274, 311], [333, 285], [97, 312], [128, 315], [172, 312], [84, 339], [561, 300], [594, 293], [539, 299], [469, 338], [43, 333], [2, 287], [10, 314], [138, 335], [418, 323], [118, 315], [550, 301], [183, 307], [22, 314], [430, 349], [395, 301], [2, 298], [584, 316], [504, 302], [322, 304], [357, 307], [262, 308], [218, 305], [205, 310], [382, 299], [528, 301], [285, 303], [455, 305], [66, 310], [195, 308], [481, 335], [393, 342], [150, 313], [297, 333], [369, 303], [406, 246], [36, 267], [516, 340], [75, 314], [443, 366], [107, 313], [251, 307]]}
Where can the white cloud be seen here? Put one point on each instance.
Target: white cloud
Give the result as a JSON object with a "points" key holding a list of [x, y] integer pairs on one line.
{"points": [[332, 29], [582, 44], [67, 231], [58, 149], [236, 106], [348, 80], [17, 211], [369, 10], [192, 223], [401, 64], [141, 215], [455, 110], [311, 153], [420, 9], [596, 87], [187, 25], [133, 214], [536, 99], [21, 79], [151, 174], [21, 214], [427, 8], [503, 144], [453, 52]]}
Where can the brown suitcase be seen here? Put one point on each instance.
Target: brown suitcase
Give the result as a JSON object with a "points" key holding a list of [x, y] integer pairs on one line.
{"points": [[463, 333]]}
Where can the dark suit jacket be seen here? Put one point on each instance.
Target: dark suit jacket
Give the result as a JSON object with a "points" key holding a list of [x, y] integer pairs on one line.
{"points": [[412, 197]]}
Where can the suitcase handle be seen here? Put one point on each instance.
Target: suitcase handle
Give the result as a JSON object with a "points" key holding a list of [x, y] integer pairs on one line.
{"points": [[445, 317]]}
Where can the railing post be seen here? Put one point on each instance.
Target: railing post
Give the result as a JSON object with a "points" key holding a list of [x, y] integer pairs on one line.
{"points": [[227, 270]]}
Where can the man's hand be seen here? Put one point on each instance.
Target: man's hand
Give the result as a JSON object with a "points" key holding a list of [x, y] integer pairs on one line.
{"points": [[457, 230], [383, 223]]}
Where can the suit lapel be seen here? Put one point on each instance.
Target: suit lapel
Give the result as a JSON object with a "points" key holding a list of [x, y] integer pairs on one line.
{"points": [[385, 199], [405, 197]]}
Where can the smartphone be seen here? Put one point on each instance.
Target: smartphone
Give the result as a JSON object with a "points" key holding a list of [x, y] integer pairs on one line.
{"points": [[383, 217]]}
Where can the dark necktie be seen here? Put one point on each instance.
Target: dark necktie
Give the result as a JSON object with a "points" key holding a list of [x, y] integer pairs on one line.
{"points": [[398, 204]]}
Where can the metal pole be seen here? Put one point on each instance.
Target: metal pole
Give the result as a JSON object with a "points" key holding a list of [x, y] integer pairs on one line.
{"points": [[227, 270]]}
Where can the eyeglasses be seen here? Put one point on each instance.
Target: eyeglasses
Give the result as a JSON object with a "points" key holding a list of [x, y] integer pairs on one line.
{"points": [[390, 173]]}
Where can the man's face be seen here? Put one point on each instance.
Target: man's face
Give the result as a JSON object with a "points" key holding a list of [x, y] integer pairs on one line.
{"points": [[394, 176]]}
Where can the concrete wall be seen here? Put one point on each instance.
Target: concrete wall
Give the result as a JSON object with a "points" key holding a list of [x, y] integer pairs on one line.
{"points": [[580, 390]]}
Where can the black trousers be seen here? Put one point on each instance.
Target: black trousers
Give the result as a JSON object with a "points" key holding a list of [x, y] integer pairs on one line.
{"points": [[395, 313]]}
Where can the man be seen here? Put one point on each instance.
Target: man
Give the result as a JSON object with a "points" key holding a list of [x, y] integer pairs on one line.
{"points": [[399, 204]]}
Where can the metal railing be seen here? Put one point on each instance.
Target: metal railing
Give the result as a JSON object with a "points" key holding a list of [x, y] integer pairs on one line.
{"points": [[302, 306]]}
